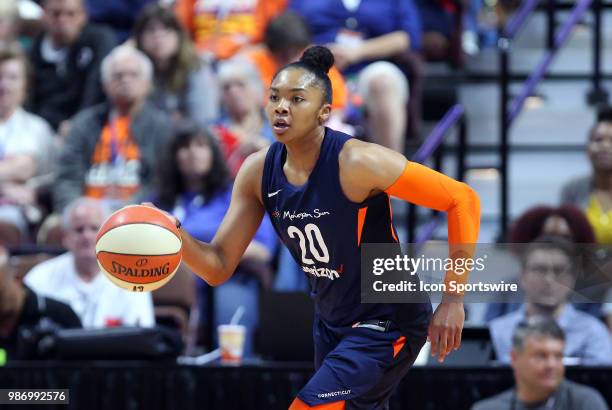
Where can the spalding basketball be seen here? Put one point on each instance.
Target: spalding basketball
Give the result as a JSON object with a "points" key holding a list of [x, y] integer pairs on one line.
{"points": [[139, 248]]}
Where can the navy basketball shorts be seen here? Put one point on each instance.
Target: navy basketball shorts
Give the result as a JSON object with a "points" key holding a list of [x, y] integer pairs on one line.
{"points": [[361, 365]]}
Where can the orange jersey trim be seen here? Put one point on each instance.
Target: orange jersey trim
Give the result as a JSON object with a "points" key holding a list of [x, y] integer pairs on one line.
{"points": [[300, 405], [361, 215], [391, 220]]}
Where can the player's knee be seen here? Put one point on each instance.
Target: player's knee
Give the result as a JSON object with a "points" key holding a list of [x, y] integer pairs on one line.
{"points": [[300, 405]]}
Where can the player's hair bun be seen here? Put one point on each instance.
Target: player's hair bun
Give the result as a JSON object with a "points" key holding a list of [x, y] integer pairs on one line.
{"points": [[318, 57]]}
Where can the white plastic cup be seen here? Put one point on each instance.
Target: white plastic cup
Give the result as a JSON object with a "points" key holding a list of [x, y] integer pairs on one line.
{"points": [[231, 343]]}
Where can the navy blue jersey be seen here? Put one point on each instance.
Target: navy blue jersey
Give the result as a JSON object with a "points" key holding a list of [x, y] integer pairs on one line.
{"points": [[324, 230]]}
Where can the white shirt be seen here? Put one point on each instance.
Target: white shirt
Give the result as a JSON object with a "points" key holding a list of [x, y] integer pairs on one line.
{"points": [[26, 133], [97, 303]]}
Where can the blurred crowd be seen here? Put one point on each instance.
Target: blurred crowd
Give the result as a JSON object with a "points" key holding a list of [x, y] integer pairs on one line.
{"points": [[105, 103]]}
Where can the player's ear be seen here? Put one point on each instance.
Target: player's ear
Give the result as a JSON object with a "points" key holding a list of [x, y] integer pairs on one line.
{"points": [[324, 113]]}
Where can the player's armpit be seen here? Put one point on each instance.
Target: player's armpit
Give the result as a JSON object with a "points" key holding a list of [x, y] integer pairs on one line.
{"points": [[426, 187], [300, 405]]}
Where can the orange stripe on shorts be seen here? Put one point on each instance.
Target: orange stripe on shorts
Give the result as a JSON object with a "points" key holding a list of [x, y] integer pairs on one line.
{"points": [[398, 345], [300, 405]]}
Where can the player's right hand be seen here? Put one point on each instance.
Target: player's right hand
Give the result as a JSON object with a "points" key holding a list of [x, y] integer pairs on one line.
{"points": [[445, 328]]}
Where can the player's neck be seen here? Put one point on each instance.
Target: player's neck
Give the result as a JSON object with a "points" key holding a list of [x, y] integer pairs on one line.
{"points": [[303, 153]]}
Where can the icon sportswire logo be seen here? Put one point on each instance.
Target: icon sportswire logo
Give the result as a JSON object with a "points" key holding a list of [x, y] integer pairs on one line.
{"points": [[271, 194]]}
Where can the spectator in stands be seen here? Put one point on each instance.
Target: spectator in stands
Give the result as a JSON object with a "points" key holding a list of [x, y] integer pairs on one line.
{"points": [[359, 33], [119, 15], [537, 361], [75, 276], [285, 39], [244, 128], [66, 60], [9, 21], [20, 307], [566, 221], [440, 20], [471, 15], [548, 277], [593, 193], [182, 84], [24, 21], [113, 149], [26, 148], [195, 186], [220, 28]]}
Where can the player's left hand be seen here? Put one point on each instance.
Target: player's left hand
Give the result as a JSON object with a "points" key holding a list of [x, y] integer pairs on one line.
{"points": [[446, 326]]}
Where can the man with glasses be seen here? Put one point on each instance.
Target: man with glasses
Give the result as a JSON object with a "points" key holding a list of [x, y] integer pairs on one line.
{"points": [[537, 362], [547, 278], [75, 277]]}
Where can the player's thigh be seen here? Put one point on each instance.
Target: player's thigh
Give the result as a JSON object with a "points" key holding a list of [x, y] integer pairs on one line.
{"points": [[325, 340], [378, 396], [352, 368]]}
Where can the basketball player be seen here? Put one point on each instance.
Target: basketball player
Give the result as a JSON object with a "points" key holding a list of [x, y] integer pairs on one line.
{"points": [[326, 194]]}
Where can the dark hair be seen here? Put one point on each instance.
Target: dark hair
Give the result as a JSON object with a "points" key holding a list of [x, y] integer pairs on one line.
{"points": [[530, 224], [170, 180], [186, 59], [286, 31], [551, 242], [316, 60], [536, 326], [604, 113]]}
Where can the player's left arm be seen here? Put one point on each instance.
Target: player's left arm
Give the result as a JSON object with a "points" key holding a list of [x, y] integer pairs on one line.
{"points": [[368, 169]]}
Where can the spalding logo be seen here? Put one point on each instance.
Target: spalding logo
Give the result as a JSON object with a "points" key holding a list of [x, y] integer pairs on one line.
{"points": [[142, 273], [142, 262]]}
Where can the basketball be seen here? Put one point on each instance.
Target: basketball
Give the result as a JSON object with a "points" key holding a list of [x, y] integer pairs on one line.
{"points": [[138, 248]]}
